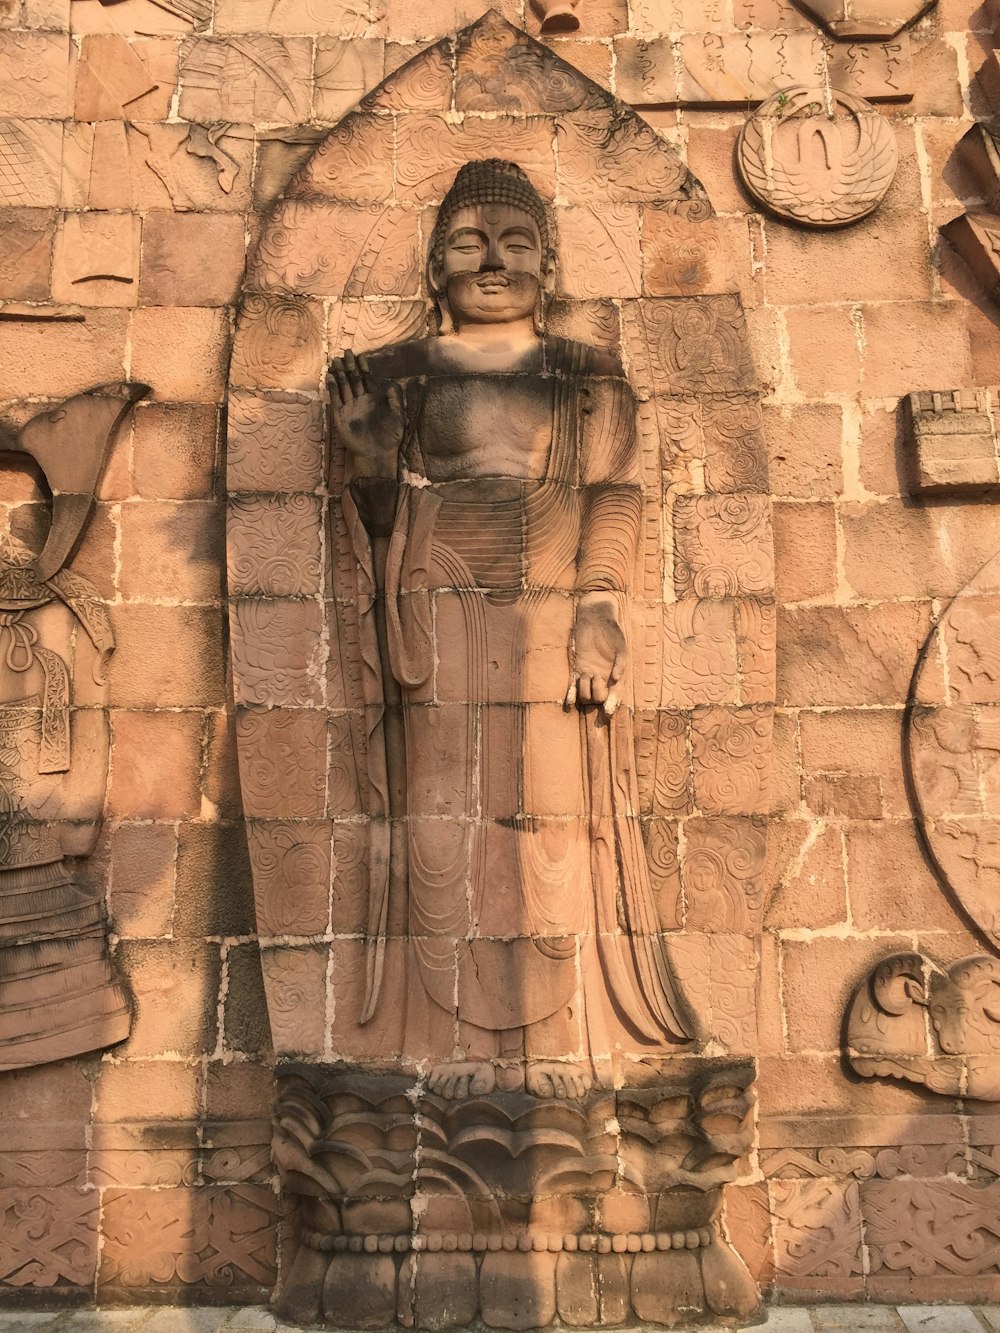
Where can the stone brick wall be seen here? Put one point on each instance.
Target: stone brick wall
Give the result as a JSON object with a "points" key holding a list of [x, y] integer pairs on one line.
{"points": [[145, 141]]}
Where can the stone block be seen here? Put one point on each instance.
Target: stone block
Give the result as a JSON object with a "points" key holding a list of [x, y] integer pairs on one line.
{"points": [[213, 893], [172, 550], [261, 78], [245, 1027], [181, 352], [26, 237], [935, 351], [953, 441], [191, 259], [849, 655], [176, 986], [157, 759], [34, 75], [824, 349], [805, 551], [174, 448], [121, 80], [97, 259]]}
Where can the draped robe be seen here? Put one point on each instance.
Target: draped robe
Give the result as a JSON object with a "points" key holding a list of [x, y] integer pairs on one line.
{"points": [[509, 819]]}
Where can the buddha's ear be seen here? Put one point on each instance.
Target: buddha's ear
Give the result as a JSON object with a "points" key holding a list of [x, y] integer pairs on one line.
{"points": [[435, 277], [436, 287], [549, 272]]}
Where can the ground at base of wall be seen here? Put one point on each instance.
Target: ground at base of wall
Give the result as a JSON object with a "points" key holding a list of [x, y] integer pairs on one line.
{"points": [[256, 1319]]}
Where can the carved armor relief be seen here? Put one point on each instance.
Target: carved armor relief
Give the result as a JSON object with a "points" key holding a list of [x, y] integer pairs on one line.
{"points": [[503, 664], [58, 993]]}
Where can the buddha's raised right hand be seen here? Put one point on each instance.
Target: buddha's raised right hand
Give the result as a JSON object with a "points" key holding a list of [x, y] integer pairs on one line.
{"points": [[369, 424]]}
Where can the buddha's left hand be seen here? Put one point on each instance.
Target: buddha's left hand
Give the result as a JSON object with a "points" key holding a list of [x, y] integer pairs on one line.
{"points": [[598, 654]]}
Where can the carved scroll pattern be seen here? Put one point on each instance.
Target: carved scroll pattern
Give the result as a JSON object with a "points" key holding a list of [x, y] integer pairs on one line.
{"points": [[707, 641]]}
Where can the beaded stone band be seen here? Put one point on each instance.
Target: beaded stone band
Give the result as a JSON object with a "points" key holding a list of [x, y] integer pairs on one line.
{"points": [[492, 181], [619, 1242]]}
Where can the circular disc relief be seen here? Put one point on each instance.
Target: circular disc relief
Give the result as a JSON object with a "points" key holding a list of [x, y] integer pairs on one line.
{"points": [[817, 156]]}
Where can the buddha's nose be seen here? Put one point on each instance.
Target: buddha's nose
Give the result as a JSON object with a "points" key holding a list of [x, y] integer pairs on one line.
{"points": [[493, 260]]}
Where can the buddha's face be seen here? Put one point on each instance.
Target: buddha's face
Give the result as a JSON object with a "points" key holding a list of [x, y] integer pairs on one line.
{"points": [[492, 268]]}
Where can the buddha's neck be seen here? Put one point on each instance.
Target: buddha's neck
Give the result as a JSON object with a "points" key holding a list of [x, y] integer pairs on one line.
{"points": [[492, 346]]}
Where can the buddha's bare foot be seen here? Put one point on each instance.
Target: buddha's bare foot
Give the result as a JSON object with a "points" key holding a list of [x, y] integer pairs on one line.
{"points": [[558, 1078], [462, 1078]]}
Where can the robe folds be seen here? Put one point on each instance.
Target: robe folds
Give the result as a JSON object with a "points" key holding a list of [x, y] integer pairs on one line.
{"points": [[508, 818]]}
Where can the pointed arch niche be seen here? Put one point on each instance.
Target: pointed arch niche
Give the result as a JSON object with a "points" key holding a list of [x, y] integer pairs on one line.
{"points": [[642, 270]]}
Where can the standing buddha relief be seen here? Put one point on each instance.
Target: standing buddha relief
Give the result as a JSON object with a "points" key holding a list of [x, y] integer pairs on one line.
{"points": [[495, 510], [503, 661]]}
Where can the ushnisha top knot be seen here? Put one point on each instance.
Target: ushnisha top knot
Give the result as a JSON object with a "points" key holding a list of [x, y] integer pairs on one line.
{"points": [[491, 181]]}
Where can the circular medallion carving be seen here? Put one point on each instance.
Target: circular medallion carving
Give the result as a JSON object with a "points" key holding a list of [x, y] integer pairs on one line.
{"points": [[821, 158]]}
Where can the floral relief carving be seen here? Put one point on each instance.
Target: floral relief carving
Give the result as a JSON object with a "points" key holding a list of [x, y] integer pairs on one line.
{"points": [[733, 970], [430, 150], [48, 1237], [602, 251], [352, 164], [217, 1238], [817, 1231], [926, 1227], [422, 84], [295, 981], [276, 442], [684, 258], [362, 325], [282, 763], [731, 750], [735, 454], [497, 67], [274, 545], [624, 153], [700, 661], [291, 867], [279, 651], [722, 872], [695, 346], [329, 250], [279, 345], [723, 545]]}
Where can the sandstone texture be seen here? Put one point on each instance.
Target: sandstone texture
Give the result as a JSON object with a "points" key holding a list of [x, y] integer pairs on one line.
{"points": [[822, 401]]}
